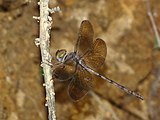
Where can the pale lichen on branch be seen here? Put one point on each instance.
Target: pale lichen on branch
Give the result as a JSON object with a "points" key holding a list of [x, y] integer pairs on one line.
{"points": [[43, 40]]}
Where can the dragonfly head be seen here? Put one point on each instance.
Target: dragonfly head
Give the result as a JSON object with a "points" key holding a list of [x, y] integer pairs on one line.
{"points": [[60, 55]]}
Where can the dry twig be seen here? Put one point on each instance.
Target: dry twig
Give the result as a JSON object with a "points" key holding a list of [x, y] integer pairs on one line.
{"points": [[43, 40], [149, 12]]}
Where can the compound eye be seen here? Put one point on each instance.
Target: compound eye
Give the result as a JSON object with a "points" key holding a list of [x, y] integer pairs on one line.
{"points": [[60, 54]]}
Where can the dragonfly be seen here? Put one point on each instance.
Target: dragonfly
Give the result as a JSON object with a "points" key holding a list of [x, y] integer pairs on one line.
{"points": [[79, 65]]}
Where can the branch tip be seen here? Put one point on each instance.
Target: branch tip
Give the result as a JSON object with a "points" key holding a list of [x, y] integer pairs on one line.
{"points": [[35, 17], [50, 18], [37, 42], [42, 65], [46, 105], [54, 10]]}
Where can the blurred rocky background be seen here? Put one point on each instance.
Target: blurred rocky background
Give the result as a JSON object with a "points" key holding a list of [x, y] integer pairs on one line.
{"points": [[133, 60]]}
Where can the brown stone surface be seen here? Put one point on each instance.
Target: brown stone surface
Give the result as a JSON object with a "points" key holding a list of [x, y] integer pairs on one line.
{"points": [[132, 60]]}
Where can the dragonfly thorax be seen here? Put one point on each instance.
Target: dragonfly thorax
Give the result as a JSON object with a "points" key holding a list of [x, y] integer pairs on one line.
{"points": [[66, 69], [71, 56]]}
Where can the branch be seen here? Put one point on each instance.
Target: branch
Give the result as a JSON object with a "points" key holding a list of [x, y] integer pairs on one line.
{"points": [[153, 22], [43, 40]]}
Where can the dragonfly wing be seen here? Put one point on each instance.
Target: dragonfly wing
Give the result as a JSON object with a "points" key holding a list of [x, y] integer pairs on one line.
{"points": [[65, 71], [80, 84], [85, 38], [96, 57]]}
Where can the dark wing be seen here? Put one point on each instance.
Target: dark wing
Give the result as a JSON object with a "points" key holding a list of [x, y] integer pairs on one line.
{"points": [[64, 71], [80, 84], [85, 38], [96, 57]]}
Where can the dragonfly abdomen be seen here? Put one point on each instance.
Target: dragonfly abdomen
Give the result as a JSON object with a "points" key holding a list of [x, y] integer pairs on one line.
{"points": [[114, 83]]}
